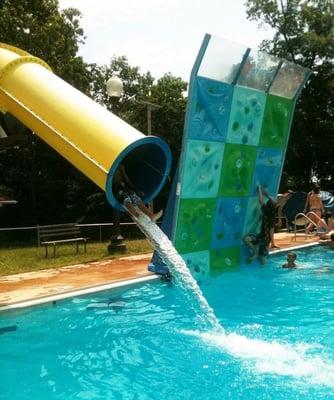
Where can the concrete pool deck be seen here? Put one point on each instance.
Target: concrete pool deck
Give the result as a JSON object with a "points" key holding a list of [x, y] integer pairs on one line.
{"points": [[28, 286]]}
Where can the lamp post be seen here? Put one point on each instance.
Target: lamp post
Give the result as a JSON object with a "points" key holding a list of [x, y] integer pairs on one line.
{"points": [[114, 87], [149, 108]]}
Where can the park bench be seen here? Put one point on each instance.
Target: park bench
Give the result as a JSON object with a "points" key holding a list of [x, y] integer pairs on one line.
{"points": [[54, 235]]}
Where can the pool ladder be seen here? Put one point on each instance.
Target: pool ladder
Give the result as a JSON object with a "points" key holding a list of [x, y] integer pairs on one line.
{"points": [[306, 220]]}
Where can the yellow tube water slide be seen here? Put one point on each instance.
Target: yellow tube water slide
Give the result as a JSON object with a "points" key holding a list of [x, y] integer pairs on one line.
{"points": [[93, 139]]}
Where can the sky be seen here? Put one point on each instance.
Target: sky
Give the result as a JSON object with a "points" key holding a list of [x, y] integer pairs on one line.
{"points": [[160, 36]]}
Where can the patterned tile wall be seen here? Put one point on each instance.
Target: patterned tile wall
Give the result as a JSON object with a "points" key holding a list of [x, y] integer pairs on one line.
{"points": [[235, 139]]}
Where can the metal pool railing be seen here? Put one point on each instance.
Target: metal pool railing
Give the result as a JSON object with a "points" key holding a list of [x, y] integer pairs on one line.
{"points": [[303, 220]]}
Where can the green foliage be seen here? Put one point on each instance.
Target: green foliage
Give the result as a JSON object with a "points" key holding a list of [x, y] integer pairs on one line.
{"points": [[168, 117], [47, 187], [167, 93], [135, 85], [41, 29], [304, 34], [168, 121]]}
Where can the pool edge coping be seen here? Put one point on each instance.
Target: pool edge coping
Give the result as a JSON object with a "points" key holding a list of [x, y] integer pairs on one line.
{"points": [[113, 285], [78, 292], [297, 247]]}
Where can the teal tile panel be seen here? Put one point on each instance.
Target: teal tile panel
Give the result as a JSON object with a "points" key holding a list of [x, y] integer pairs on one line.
{"points": [[246, 116], [198, 263], [201, 171]]}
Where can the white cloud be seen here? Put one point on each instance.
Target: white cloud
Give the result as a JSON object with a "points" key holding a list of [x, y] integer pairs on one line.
{"points": [[158, 35]]}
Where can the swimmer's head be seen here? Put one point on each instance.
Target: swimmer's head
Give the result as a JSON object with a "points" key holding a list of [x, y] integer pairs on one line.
{"points": [[291, 256]]}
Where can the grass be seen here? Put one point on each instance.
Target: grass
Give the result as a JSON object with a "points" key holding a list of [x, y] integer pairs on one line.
{"points": [[26, 259]]}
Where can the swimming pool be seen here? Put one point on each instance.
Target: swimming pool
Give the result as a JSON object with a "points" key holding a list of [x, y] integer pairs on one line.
{"points": [[142, 343]]}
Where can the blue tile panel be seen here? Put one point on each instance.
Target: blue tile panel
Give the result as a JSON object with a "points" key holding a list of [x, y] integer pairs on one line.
{"points": [[209, 110]]}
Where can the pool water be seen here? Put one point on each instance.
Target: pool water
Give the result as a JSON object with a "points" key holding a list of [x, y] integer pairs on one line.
{"points": [[143, 343]]}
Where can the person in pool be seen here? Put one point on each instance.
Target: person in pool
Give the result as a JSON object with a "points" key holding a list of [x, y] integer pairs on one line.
{"points": [[290, 258]]}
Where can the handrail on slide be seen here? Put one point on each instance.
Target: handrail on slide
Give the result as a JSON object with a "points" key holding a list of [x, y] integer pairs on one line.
{"points": [[306, 216]]}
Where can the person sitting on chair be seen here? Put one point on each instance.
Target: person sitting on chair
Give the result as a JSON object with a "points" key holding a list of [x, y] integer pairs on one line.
{"points": [[127, 194], [320, 224]]}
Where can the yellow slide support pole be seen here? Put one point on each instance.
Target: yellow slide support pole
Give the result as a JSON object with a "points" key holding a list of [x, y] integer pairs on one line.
{"points": [[93, 139]]}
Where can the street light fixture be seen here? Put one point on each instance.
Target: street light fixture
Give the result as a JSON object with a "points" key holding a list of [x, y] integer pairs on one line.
{"points": [[114, 87]]}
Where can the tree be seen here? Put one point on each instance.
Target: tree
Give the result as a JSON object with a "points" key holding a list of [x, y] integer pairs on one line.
{"points": [[36, 175], [40, 28], [47, 187], [167, 93], [135, 85], [304, 34]]}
